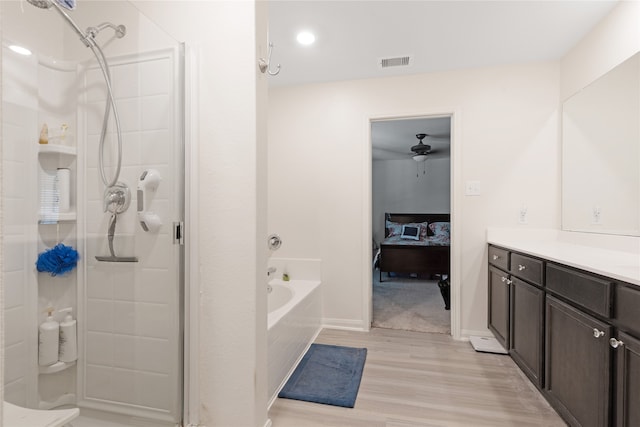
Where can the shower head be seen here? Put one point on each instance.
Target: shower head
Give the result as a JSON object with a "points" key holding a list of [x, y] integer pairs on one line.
{"points": [[42, 4], [46, 4]]}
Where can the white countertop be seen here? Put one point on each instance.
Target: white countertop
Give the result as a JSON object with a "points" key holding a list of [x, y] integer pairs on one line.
{"points": [[622, 265]]}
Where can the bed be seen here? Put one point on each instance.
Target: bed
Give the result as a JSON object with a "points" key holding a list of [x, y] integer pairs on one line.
{"points": [[426, 255]]}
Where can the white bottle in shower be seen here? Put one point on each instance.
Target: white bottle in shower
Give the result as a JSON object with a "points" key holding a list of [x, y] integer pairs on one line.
{"points": [[68, 338], [48, 339]]}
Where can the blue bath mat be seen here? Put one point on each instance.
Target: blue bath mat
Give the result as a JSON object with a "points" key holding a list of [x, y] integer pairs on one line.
{"points": [[327, 374]]}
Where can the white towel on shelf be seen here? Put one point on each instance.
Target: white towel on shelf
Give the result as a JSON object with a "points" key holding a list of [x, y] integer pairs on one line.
{"points": [[49, 197]]}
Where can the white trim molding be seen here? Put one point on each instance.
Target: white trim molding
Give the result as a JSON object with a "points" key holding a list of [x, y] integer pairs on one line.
{"points": [[456, 236]]}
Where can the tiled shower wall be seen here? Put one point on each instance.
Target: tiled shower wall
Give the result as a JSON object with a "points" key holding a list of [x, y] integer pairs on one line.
{"points": [[131, 310], [19, 134], [36, 90], [128, 313]]}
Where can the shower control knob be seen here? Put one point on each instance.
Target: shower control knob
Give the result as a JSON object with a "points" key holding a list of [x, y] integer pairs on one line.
{"points": [[274, 242]]}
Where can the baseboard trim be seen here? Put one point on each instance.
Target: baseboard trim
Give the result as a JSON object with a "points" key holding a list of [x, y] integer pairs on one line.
{"points": [[344, 324]]}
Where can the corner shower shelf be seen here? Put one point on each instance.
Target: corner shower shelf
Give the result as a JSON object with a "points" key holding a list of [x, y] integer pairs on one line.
{"points": [[65, 399], [57, 149], [62, 217], [56, 367]]}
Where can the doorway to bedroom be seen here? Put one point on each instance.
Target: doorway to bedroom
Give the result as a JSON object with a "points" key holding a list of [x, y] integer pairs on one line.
{"points": [[411, 207]]}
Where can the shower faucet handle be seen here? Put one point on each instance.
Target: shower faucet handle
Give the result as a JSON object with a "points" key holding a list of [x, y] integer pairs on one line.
{"points": [[116, 198], [274, 242]]}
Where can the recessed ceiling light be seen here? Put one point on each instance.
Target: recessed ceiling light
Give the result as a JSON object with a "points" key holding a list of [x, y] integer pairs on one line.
{"points": [[305, 38], [19, 49]]}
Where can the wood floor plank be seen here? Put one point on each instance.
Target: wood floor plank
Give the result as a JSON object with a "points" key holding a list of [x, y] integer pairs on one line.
{"points": [[416, 379]]}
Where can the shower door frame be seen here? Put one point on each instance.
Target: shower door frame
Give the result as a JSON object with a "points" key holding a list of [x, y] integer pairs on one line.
{"points": [[179, 148]]}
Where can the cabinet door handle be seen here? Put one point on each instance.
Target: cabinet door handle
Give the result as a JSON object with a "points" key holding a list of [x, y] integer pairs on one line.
{"points": [[597, 333], [615, 343], [495, 257], [521, 267], [504, 279], [509, 281]]}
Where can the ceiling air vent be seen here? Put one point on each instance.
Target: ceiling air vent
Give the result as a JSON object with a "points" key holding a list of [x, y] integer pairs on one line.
{"points": [[400, 61]]}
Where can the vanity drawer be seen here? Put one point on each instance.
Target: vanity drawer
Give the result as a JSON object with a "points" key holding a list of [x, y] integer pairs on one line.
{"points": [[527, 268], [627, 298], [499, 257], [589, 291]]}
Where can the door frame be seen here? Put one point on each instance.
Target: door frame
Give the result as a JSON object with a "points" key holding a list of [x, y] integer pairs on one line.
{"points": [[455, 203]]}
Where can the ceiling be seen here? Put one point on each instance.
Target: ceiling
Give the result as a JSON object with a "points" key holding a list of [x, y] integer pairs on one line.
{"points": [[393, 139], [352, 36]]}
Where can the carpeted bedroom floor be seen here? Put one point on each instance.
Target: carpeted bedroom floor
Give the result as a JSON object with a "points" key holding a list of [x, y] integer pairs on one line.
{"points": [[409, 304]]}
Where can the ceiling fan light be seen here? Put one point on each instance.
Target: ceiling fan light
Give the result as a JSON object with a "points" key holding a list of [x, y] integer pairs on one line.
{"points": [[420, 157]]}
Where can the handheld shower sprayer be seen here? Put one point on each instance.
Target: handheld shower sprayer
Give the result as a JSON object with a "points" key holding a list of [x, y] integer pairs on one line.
{"points": [[88, 38]]}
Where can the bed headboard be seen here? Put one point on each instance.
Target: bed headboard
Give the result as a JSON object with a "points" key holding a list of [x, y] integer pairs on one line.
{"points": [[404, 218]]}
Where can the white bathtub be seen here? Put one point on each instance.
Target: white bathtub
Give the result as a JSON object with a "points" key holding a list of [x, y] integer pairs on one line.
{"points": [[293, 323]]}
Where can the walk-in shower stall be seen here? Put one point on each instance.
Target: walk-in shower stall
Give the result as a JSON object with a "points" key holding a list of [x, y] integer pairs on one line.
{"points": [[92, 163]]}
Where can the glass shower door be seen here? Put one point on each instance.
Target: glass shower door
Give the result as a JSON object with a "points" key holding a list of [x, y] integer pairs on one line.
{"points": [[126, 290]]}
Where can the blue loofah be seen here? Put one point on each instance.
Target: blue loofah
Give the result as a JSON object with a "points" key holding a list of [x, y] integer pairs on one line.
{"points": [[58, 260]]}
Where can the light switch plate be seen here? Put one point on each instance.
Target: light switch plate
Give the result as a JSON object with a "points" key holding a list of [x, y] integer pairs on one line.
{"points": [[472, 188]]}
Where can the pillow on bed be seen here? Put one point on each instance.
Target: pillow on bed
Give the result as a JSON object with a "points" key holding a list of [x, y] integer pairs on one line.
{"points": [[393, 228], [440, 228], [430, 232], [410, 231]]}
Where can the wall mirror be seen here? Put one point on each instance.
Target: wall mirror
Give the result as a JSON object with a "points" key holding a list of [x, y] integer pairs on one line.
{"points": [[601, 154]]}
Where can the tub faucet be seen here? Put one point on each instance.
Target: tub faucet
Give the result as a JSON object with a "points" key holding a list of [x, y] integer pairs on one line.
{"points": [[270, 271]]}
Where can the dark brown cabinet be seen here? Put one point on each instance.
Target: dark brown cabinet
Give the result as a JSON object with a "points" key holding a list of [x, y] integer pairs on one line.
{"points": [[527, 332], [578, 364], [575, 334], [499, 305], [626, 345], [627, 390]]}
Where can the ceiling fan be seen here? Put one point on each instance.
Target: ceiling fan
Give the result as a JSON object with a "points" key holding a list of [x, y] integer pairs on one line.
{"points": [[420, 151]]}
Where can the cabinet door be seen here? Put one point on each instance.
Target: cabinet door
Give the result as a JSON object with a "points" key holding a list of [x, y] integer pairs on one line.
{"points": [[627, 381], [499, 305], [578, 365], [527, 333]]}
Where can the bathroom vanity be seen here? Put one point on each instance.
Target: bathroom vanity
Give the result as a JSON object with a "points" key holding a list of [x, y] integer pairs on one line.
{"points": [[569, 315]]}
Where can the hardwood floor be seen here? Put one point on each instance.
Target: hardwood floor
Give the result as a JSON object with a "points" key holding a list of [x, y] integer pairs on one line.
{"points": [[420, 379]]}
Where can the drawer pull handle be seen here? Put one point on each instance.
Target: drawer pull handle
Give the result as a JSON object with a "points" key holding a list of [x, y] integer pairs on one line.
{"points": [[521, 267], [495, 257], [597, 333], [615, 343]]}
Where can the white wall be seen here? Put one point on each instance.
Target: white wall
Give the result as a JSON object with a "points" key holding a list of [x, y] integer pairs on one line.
{"points": [[402, 186], [507, 129], [612, 41]]}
